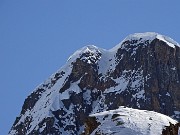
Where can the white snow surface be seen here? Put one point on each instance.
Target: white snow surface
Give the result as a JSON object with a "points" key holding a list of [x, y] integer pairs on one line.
{"points": [[128, 121]]}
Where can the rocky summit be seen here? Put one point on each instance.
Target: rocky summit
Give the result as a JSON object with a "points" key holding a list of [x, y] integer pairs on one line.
{"points": [[88, 92]]}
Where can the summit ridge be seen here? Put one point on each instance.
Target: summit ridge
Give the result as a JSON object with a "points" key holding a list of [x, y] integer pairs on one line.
{"points": [[147, 36]]}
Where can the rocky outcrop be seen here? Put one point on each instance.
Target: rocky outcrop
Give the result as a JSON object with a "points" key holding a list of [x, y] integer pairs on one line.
{"points": [[142, 72], [90, 125], [172, 129]]}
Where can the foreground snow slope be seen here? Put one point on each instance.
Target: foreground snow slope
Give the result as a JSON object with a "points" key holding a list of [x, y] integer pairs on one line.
{"points": [[128, 121]]}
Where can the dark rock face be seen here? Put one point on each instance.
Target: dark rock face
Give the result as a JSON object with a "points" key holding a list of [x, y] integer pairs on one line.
{"points": [[143, 74], [90, 125], [171, 130], [159, 64]]}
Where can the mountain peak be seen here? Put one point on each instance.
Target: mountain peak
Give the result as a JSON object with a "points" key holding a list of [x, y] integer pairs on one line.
{"points": [[148, 37], [139, 74], [89, 49], [142, 36]]}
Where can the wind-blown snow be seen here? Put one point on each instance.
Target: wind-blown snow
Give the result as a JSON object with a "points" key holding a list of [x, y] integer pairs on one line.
{"points": [[128, 121]]}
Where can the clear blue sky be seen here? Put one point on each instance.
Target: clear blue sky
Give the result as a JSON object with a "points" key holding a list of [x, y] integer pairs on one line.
{"points": [[37, 37]]}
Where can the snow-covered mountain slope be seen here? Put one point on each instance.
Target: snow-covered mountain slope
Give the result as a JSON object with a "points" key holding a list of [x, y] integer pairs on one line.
{"points": [[142, 72], [128, 121]]}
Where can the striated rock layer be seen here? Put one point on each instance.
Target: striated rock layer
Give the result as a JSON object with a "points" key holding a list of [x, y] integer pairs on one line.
{"points": [[141, 72]]}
